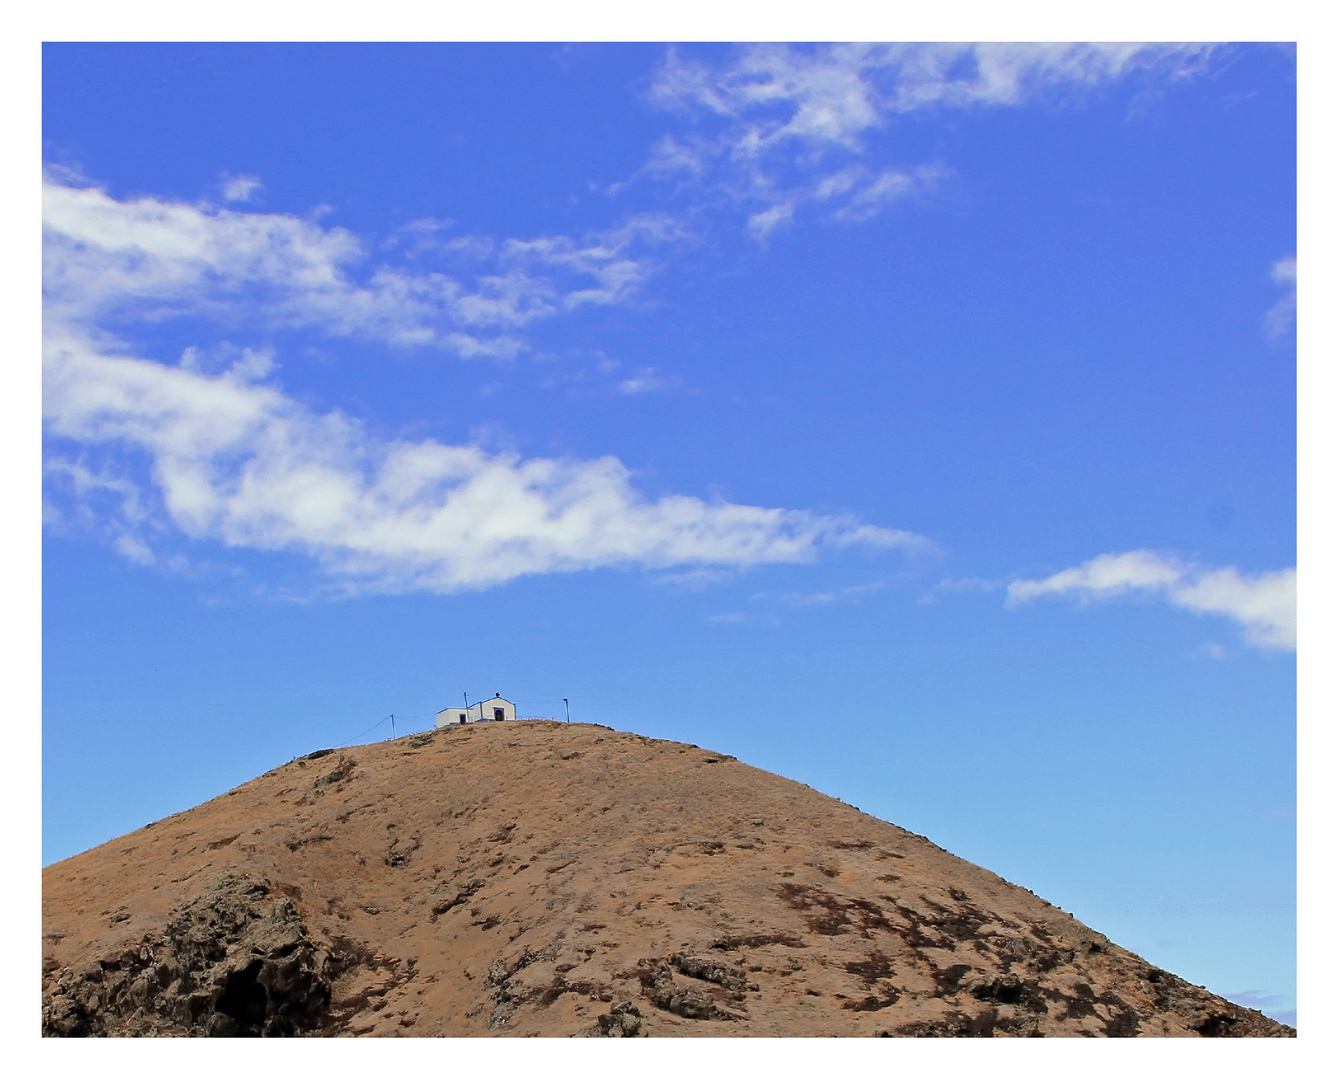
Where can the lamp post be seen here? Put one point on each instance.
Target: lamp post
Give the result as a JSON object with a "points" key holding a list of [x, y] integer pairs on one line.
{"points": [[567, 710]]}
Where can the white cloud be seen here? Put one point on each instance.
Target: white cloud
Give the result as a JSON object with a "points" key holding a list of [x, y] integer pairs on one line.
{"points": [[240, 188], [646, 381], [234, 460], [822, 599], [761, 224], [141, 451], [999, 74], [1264, 604], [82, 496], [1283, 315], [150, 259], [780, 113], [832, 94], [865, 198], [671, 157]]}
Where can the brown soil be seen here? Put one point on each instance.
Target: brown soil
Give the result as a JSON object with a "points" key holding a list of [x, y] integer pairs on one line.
{"points": [[535, 878]]}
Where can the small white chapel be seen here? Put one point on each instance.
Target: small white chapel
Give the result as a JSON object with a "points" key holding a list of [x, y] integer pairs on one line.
{"points": [[481, 712]]}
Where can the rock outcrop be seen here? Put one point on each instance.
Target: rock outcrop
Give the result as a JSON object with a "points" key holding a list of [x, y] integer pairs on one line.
{"points": [[555, 879], [234, 961]]}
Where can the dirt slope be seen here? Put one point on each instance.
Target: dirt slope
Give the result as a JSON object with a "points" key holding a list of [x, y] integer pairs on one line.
{"points": [[565, 879]]}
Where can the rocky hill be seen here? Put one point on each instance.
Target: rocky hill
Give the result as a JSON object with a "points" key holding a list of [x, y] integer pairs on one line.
{"points": [[565, 879]]}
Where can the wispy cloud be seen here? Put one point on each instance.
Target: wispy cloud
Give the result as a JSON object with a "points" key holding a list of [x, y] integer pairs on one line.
{"points": [[822, 599], [728, 617], [1264, 604], [211, 448], [1282, 317], [239, 188], [646, 381], [110, 261], [227, 457], [783, 127]]}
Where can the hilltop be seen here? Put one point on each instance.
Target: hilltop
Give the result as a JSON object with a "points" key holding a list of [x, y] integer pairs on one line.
{"points": [[537, 878]]}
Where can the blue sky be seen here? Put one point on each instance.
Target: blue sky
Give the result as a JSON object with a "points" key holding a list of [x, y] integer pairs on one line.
{"points": [[916, 422]]}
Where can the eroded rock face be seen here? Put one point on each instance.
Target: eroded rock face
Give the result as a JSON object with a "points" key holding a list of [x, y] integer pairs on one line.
{"points": [[623, 1021], [234, 961], [688, 1000], [559, 880]]}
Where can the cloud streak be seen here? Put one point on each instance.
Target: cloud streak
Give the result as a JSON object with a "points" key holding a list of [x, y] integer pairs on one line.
{"points": [[781, 127], [1282, 317], [234, 460], [211, 448], [148, 259], [1265, 605]]}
